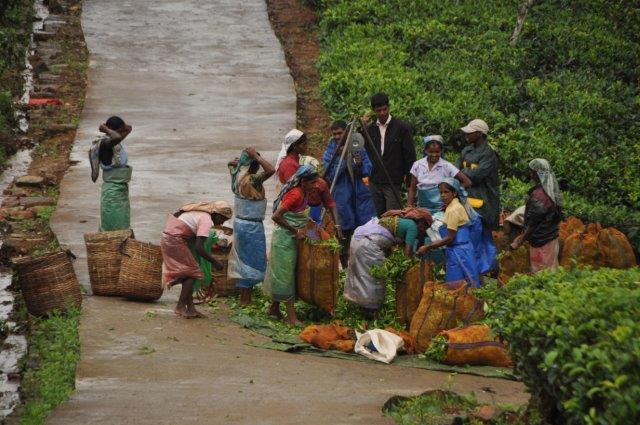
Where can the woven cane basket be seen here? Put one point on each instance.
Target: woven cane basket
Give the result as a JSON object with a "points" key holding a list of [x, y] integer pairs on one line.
{"points": [[141, 271], [48, 283], [103, 259]]}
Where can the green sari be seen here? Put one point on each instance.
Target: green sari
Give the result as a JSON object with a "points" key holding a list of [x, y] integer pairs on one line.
{"points": [[204, 264], [115, 210], [280, 283]]}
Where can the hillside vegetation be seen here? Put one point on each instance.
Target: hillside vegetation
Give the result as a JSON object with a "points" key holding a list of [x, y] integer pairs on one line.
{"points": [[567, 91], [15, 18]]}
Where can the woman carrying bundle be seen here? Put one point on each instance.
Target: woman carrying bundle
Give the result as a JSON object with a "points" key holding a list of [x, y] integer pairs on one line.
{"points": [[290, 213], [248, 258], [461, 263], [370, 245], [428, 172], [542, 216], [192, 221]]}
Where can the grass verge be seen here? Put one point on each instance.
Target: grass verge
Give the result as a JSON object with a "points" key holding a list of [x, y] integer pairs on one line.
{"points": [[54, 351]]}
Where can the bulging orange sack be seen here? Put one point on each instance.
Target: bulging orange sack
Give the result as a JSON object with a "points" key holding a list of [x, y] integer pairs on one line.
{"points": [[440, 309], [475, 345]]}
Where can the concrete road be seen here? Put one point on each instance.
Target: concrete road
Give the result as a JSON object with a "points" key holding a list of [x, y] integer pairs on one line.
{"points": [[198, 80]]}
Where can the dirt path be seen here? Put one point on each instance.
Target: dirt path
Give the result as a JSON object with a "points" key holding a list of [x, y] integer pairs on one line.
{"points": [[198, 80]]}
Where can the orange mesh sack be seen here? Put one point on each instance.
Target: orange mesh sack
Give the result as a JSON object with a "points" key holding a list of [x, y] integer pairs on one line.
{"points": [[326, 336], [475, 345], [616, 249], [583, 247], [500, 240], [513, 262], [441, 309], [317, 275], [570, 226], [409, 291], [344, 345]]}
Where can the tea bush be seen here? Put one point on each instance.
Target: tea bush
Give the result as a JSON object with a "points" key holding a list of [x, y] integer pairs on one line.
{"points": [[575, 338], [567, 91]]}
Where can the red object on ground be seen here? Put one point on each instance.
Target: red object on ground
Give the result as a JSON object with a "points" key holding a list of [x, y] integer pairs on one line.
{"points": [[43, 101]]}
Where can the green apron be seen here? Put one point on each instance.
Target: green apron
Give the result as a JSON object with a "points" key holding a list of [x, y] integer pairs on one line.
{"points": [[115, 211], [204, 264], [281, 273]]}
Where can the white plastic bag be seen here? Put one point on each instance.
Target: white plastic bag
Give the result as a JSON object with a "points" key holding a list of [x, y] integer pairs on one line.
{"points": [[378, 344]]}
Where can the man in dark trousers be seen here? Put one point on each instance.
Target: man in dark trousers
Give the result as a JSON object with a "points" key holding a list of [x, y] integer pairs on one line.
{"points": [[393, 140]]}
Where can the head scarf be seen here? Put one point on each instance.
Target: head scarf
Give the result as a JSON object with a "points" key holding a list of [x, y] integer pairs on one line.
{"points": [[547, 179], [302, 172], [289, 139], [243, 164], [461, 193], [411, 213], [218, 207], [433, 138]]}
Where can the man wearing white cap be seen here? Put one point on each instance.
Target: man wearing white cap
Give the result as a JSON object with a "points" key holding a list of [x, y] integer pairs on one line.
{"points": [[479, 162]]}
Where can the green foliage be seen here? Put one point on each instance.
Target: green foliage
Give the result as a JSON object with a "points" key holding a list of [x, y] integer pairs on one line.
{"points": [[432, 408], [575, 338], [437, 348], [54, 346], [15, 19], [567, 92]]}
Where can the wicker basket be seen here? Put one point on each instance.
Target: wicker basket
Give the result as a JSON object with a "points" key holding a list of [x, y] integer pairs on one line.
{"points": [[103, 259], [141, 271], [48, 283]]}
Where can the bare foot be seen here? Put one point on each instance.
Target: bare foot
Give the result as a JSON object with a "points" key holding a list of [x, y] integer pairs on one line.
{"points": [[274, 311], [184, 313]]}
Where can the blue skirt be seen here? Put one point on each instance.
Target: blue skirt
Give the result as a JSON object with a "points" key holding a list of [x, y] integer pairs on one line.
{"points": [[461, 258]]}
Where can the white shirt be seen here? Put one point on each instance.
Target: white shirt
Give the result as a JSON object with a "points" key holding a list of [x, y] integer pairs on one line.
{"points": [[383, 131], [430, 177], [198, 221]]}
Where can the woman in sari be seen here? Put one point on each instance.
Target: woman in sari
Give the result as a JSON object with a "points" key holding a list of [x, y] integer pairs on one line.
{"points": [[108, 153], [461, 262], [370, 245], [542, 216], [192, 221], [290, 213], [248, 257]]}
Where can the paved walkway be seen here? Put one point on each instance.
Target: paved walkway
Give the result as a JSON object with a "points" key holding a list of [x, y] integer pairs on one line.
{"points": [[198, 80]]}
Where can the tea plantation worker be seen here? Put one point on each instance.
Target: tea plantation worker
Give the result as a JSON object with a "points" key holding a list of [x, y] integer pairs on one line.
{"points": [[192, 221], [293, 155], [109, 154], [370, 245], [428, 172], [542, 216], [248, 257], [294, 146], [456, 237], [290, 213], [352, 196], [393, 140], [479, 163]]}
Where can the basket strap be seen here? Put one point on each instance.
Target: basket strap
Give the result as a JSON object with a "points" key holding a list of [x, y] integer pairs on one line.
{"points": [[121, 248], [70, 254], [471, 345]]}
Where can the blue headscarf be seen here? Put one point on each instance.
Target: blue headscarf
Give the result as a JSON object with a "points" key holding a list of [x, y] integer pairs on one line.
{"points": [[461, 193], [302, 172]]}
